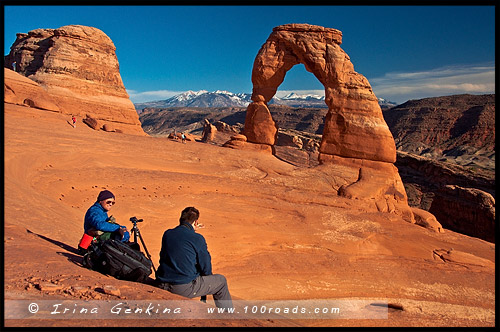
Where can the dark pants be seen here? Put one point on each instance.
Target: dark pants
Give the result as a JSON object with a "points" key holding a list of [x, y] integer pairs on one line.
{"points": [[214, 284]]}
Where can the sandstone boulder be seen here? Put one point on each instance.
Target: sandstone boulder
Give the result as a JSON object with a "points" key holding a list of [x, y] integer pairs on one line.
{"points": [[78, 67], [239, 137], [426, 219], [92, 122], [108, 127], [260, 127]]}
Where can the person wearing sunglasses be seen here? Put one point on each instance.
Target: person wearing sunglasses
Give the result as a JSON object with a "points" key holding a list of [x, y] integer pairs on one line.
{"points": [[98, 224]]}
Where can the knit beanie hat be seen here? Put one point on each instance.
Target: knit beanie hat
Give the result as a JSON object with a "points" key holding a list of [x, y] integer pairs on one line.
{"points": [[105, 194]]}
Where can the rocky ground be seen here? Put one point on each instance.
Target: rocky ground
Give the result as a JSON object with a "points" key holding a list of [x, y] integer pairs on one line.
{"points": [[276, 230]]}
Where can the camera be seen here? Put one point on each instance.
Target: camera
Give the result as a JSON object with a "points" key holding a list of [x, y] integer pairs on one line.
{"points": [[134, 220]]}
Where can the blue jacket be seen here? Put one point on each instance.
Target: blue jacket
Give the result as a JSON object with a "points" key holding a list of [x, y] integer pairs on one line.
{"points": [[97, 218], [184, 256]]}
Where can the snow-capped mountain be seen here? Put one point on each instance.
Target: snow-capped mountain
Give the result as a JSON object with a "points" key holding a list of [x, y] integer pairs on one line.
{"points": [[386, 104], [200, 98], [221, 98], [294, 96]]}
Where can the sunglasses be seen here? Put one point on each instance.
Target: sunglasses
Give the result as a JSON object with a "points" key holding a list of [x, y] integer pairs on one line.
{"points": [[110, 202]]}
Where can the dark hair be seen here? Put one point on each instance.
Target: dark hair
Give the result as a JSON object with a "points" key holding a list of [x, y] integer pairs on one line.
{"points": [[189, 215]]}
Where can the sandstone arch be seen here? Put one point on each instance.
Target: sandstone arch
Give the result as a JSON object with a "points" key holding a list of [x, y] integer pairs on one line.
{"points": [[355, 133], [354, 125]]}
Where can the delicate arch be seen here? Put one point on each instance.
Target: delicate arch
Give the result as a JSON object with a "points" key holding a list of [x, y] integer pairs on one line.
{"points": [[354, 126]]}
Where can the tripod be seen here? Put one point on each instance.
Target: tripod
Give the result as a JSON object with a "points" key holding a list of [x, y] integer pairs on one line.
{"points": [[137, 233]]}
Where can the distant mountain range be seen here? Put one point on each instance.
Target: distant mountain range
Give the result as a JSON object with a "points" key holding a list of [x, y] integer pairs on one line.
{"points": [[220, 98]]}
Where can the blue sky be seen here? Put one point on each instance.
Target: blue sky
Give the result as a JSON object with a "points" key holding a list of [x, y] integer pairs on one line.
{"points": [[406, 52]]}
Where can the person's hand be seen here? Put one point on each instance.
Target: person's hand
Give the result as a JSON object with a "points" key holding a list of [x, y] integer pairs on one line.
{"points": [[122, 230], [112, 220]]}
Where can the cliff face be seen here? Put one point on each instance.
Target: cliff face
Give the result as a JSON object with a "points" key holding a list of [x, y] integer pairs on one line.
{"points": [[458, 128], [461, 199], [78, 67], [448, 163]]}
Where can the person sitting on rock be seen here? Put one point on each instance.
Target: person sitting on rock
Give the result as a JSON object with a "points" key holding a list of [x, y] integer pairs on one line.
{"points": [[185, 263], [99, 225]]}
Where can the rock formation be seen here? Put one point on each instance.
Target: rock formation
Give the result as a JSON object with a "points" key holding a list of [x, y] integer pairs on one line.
{"points": [[459, 128], [92, 122], [425, 219], [477, 211], [355, 133], [23, 91], [78, 67], [224, 127], [209, 131], [354, 125]]}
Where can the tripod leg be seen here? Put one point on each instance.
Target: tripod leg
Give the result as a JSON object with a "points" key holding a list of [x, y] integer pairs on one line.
{"points": [[146, 249], [135, 230]]}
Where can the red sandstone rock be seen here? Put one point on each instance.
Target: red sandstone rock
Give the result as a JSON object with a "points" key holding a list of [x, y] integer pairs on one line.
{"points": [[92, 123], [23, 91], [378, 182], [460, 257], [209, 131], [78, 67], [286, 139], [355, 133], [477, 211], [242, 145], [259, 125], [459, 125], [108, 127], [427, 220], [239, 137], [354, 126]]}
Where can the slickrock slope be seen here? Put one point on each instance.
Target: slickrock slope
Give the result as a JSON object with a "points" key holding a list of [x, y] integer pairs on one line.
{"points": [[276, 231], [20, 90], [424, 176], [77, 65]]}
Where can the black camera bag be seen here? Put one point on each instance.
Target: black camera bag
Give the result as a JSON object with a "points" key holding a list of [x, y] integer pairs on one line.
{"points": [[119, 260]]}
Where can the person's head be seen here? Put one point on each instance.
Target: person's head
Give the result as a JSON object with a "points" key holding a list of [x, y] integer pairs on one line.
{"points": [[189, 215], [106, 199]]}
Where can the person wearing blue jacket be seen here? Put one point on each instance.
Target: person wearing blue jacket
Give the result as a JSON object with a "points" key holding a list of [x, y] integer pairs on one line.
{"points": [[98, 224], [185, 263]]}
